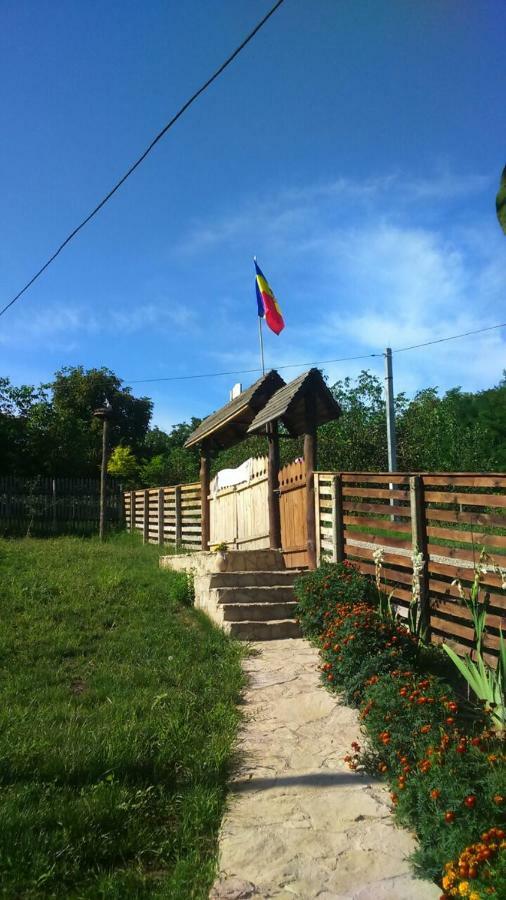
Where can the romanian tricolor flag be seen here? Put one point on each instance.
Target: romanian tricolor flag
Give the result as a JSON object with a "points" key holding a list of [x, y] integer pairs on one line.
{"points": [[268, 307]]}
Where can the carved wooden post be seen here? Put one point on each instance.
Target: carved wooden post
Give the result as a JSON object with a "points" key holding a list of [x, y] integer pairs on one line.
{"points": [[205, 481], [161, 516], [273, 487], [310, 451], [419, 540]]}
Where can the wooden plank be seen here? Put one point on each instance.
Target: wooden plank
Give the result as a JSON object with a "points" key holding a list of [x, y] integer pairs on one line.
{"points": [[375, 478], [481, 539], [463, 480], [459, 630], [372, 538], [487, 500], [387, 573], [379, 508], [375, 492], [456, 553], [458, 611], [434, 514], [460, 647], [464, 574], [366, 553], [384, 524]]}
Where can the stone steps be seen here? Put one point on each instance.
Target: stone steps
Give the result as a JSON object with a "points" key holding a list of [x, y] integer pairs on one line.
{"points": [[258, 612], [253, 600], [274, 593], [272, 630], [253, 579]]}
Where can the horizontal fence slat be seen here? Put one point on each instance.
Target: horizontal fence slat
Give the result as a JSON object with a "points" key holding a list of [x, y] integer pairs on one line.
{"points": [[375, 492], [488, 500], [481, 539]]}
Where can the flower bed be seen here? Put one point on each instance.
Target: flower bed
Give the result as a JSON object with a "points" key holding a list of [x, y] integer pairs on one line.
{"points": [[444, 763]]}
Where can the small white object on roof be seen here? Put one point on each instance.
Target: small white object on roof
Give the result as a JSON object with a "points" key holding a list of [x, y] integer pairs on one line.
{"points": [[236, 391]]}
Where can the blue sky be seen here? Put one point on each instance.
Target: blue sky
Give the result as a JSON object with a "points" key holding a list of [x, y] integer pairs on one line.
{"points": [[355, 147]]}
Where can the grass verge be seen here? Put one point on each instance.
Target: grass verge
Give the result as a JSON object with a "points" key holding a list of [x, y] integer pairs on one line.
{"points": [[117, 717]]}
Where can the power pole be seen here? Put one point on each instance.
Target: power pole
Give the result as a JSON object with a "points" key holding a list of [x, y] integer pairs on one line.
{"points": [[389, 393], [103, 413]]}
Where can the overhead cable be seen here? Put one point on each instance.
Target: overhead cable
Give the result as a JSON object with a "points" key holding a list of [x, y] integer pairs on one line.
{"points": [[143, 156]]}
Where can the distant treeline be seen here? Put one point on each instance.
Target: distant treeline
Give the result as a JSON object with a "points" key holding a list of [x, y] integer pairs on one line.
{"points": [[50, 430]]}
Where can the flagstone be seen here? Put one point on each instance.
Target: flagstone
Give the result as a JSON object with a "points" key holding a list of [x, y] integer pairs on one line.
{"points": [[299, 824]]}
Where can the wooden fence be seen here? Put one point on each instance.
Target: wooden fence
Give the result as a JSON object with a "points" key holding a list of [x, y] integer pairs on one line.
{"points": [[41, 506], [239, 515], [448, 517], [166, 515]]}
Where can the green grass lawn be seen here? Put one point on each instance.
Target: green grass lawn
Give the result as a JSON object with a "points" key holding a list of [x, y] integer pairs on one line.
{"points": [[117, 716]]}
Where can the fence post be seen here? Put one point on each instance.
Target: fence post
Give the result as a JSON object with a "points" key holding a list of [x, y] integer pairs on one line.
{"points": [[161, 516], [317, 519], [177, 513], [419, 542], [145, 522], [53, 492], [132, 512], [338, 554]]}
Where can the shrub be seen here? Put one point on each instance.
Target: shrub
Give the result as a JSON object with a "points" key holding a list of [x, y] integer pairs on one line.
{"points": [[358, 643], [444, 765], [320, 591], [181, 588]]}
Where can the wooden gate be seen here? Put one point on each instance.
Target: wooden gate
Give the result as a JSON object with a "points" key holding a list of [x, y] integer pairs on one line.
{"points": [[292, 498]]}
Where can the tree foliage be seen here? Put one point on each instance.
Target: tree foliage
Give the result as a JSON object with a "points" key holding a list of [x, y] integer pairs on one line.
{"points": [[50, 430]]}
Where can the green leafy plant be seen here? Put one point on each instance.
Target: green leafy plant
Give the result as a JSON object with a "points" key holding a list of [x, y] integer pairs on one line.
{"points": [[320, 592], [487, 683]]}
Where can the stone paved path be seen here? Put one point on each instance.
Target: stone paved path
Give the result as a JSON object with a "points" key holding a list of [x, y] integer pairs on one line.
{"points": [[299, 823]]}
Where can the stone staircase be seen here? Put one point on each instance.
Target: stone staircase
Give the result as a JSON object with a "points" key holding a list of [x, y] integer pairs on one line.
{"points": [[253, 600]]}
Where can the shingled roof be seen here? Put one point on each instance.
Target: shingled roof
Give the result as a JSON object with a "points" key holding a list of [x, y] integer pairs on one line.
{"points": [[229, 425], [289, 404]]}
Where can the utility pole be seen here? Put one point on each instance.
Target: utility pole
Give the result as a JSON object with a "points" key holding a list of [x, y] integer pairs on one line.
{"points": [[104, 413], [389, 393]]}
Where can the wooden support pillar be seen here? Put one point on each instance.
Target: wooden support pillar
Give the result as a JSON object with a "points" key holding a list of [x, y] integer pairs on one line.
{"points": [[419, 541], [310, 459], [205, 486], [273, 487]]}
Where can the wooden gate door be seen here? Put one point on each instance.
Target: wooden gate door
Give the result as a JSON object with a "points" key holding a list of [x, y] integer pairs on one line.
{"points": [[292, 501]]}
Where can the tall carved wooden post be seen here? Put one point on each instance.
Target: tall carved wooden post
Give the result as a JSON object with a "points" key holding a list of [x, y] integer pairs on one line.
{"points": [[205, 481], [310, 451], [273, 487]]}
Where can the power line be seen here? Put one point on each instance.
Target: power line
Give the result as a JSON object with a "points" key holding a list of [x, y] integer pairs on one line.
{"points": [[318, 362], [452, 338], [143, 156]]}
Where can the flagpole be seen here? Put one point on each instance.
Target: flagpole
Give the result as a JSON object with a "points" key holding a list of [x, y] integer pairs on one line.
{"points": [[261, 336]]}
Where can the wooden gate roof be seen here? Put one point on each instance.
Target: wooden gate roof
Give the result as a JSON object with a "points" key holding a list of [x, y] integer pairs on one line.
{"points": [[289, 404], [229, 425]]}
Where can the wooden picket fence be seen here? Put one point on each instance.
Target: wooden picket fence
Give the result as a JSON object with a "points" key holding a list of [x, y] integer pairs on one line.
{"points": [[448, 517], [166, 515], [41, 506]]}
